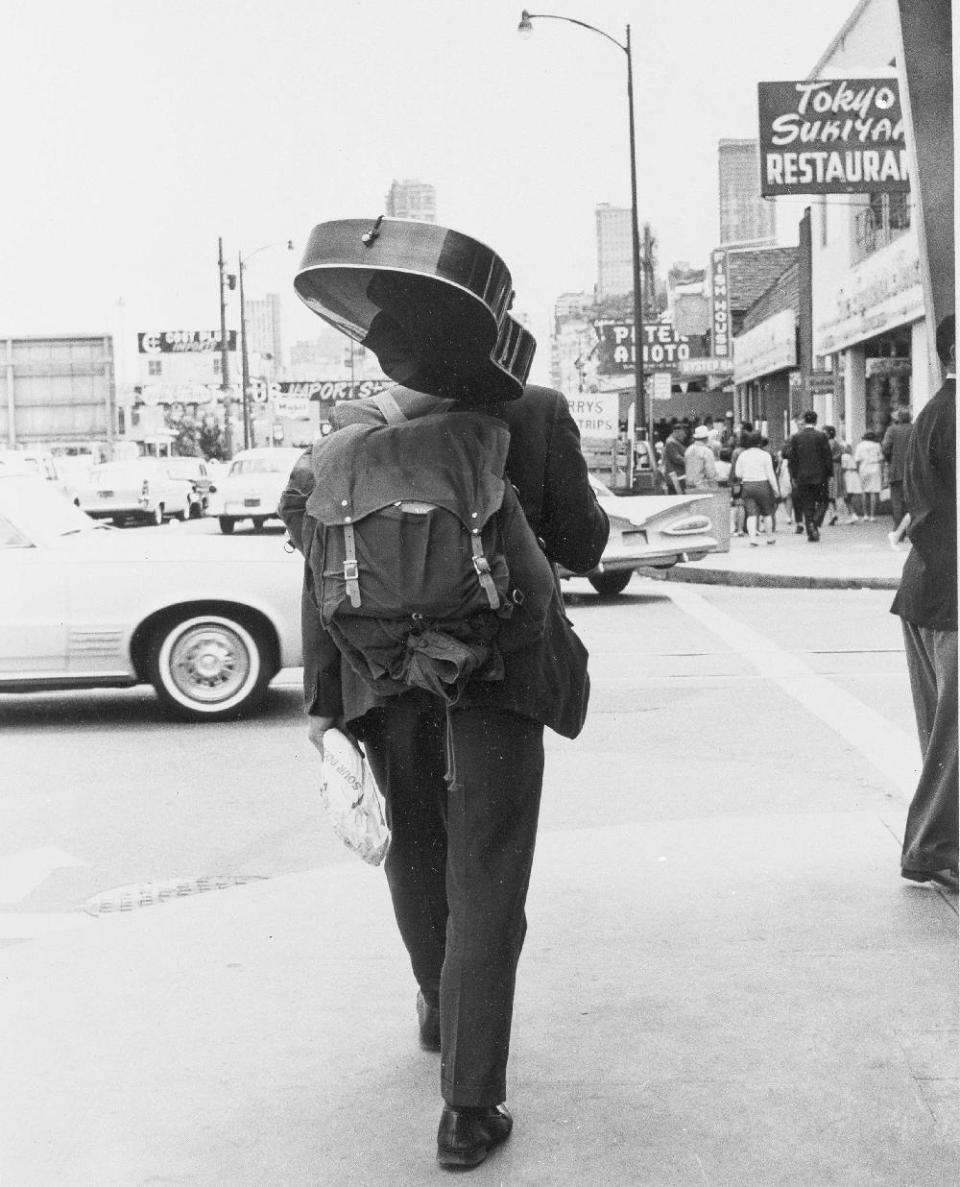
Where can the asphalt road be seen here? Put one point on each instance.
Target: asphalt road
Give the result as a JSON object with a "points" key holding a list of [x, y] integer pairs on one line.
{"points": [[711, 688]]}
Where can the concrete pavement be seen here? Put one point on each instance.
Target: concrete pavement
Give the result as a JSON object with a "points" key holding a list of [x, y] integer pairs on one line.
{"points": [[853, 556], [739, 993]]}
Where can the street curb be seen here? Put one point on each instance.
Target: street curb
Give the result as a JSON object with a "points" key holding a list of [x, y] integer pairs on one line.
{"points": [[736, 577]]}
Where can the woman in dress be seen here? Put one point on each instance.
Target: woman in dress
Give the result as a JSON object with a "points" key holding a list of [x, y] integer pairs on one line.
{"points": [[868, 457]]}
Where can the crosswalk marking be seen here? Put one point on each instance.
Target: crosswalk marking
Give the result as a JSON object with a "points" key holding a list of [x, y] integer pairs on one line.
{"points": [[891, 750]]}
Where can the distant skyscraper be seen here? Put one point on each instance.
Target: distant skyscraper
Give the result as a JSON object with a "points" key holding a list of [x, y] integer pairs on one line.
{"points": [[412, 199], [263, 328], [614, 251], [745, 217]]}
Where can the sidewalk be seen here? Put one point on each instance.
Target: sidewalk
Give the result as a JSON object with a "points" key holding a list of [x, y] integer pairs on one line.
{"points": [[719, 1000], [855, 556]]}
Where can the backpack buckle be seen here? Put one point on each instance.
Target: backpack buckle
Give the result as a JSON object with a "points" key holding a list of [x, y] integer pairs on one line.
{"points": [[351, 571], [482, 565]]}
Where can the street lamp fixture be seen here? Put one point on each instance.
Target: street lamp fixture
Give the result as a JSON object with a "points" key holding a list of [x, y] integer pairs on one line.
{"points": [[242, 261], [645, 415]]}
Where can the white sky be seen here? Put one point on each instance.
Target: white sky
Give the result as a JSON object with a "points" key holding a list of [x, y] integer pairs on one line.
{"points": [[138, 131]]}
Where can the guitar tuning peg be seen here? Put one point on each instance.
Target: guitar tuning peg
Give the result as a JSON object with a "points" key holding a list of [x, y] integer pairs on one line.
{"points": [[373, 234]]}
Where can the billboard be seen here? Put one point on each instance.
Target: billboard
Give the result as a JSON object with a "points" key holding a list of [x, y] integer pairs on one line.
{"points": [[831, 136], [596, 415], [183, 341], [663, 347]]}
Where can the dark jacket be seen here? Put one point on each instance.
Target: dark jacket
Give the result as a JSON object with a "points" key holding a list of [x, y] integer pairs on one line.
{"points": [[545, 681], [927, 595], [809, 458], [894, 445]]}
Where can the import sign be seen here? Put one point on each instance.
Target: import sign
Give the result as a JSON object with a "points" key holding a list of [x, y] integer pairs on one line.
{"points": [[831, 136]]}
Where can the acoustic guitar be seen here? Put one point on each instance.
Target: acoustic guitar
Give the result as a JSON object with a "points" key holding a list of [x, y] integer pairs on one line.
{"points": [[432, 304]]}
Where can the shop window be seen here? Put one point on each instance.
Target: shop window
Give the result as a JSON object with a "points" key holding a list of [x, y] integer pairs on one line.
{"points": [[154, 367], [884, 217]]}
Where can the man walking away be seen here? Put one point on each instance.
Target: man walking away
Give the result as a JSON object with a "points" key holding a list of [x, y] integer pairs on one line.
{"points": [[927, 604], [894, 446], [811, 465], [674, 459], [700, 465]]}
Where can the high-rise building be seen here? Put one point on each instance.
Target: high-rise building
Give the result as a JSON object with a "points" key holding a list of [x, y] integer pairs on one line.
{"points": [[263, 329], [412, 199], [745, 217], [614, 251]]}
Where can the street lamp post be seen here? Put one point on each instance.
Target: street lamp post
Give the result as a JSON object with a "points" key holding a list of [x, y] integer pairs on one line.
{"points": [[640, 401], [225, 360], [242, 261]]}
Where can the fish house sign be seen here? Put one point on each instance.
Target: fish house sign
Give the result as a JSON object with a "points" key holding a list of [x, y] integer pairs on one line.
{"points": [[831, 136]]}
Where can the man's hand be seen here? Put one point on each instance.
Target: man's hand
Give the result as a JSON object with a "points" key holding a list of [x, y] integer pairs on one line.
{"points": [[317, 727]]}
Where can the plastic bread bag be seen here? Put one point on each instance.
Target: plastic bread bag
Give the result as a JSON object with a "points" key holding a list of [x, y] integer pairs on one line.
{"points": [[352, 799]]}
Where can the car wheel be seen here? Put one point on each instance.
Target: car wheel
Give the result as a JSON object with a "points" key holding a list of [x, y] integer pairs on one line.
{"points": [[608, 585], [258, 524], [208, 667], [226, 524]]}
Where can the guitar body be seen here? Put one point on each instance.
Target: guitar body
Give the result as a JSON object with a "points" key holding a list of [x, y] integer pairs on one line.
{"points": [[430, 303]]}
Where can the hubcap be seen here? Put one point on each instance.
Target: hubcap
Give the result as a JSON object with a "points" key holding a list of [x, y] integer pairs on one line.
{"points": [[209, 663]]}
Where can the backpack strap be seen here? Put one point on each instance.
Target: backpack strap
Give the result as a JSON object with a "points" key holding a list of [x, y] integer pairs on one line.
{"points": [[351, 573], [391, 411], [482, 566]]}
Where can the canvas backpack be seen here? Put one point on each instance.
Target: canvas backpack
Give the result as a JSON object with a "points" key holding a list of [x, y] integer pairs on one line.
{"points": [[422, 563]]}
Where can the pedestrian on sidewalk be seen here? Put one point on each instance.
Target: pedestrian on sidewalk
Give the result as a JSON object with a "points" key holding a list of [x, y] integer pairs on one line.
{"points": [[700, 466], [894, 449], [868, 458], [785, 488], [927, 605], [852, 490], [835, 482], [811, 464], [754, 470], [462, 784], [674, 454]]}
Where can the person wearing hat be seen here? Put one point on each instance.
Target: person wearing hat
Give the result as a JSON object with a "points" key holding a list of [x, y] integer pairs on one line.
{"points": [[699, 464]]}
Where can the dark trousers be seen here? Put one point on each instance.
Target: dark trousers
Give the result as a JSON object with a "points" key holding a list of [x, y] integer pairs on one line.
{"points": [[813, 503], [462, 803], [898, 507], [930, 837]]}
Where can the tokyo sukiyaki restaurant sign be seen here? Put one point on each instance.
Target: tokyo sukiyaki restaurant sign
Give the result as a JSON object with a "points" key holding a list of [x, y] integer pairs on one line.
{"points": [[831, 136]]}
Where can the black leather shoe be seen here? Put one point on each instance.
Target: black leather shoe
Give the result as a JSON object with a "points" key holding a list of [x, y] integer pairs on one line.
{"points": [[429, 1019], [947, 878], [813, 536], [467, 1135]]}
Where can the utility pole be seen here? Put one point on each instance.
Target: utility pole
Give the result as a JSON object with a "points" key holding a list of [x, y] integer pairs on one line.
{"points": [[225, 360], [244, 360]]}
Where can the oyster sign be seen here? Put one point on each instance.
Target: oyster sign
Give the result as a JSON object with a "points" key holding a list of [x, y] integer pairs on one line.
{"points": [[831, 136]]}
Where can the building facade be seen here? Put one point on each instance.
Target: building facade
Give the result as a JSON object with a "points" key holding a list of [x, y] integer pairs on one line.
{"points": [[614, 251], [745, 217], [412, 199], [265, 333]]}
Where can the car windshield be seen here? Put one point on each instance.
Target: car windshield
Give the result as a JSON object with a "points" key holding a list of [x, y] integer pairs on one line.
{"points": [[40, 509], [261, 465]]}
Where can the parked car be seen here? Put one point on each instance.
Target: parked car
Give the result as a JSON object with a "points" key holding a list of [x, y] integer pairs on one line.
{"points": [[194, 471], [650, 531], [139, 489], [252, 486], [83, 605], [41, 464]]}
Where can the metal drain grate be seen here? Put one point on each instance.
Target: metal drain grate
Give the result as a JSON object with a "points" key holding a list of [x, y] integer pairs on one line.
{"points": [[148, 894]]}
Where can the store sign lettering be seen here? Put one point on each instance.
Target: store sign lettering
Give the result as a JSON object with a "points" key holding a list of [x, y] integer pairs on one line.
{"points": [[183, 341], [831, 136], [663, 347], [720, 304]]}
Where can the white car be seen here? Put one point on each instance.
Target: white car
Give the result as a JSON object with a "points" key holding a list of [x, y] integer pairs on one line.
{"points": [[42, 464], [650, 531], [139, 489], [81, 605], [252, 487]]}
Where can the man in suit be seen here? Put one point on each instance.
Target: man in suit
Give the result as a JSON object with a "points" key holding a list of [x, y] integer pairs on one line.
{"points": [[894, 446], [811, 465], [927, 605], [463, 786]]}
